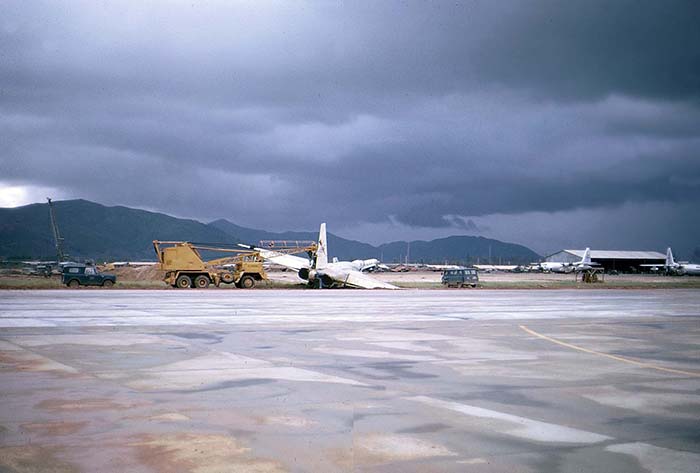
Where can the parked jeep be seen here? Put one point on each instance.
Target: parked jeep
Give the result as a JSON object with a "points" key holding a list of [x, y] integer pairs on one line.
{"points": [[460, 277], [75, 275]]}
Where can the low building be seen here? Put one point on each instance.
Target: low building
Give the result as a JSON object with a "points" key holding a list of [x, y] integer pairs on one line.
{"points": [[623, 261]]}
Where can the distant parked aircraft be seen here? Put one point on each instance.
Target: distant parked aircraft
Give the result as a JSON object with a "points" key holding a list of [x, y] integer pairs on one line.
{"points": [[442, 267], [487, 268], [368, 265], [551, 267], [584, 265], [673, 267]]}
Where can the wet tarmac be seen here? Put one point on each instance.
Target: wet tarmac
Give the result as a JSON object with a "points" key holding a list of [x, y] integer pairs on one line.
{"points": [[326, 381]]}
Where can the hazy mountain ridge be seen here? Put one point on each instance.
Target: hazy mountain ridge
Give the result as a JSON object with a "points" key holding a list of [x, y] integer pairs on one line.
{"points": [[96, 231], [461, 248], [451, 249]]}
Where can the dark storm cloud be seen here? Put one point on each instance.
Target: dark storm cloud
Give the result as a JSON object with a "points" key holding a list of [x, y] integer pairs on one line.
{"points": [[593, 48], [281, 114], [426, 197]]}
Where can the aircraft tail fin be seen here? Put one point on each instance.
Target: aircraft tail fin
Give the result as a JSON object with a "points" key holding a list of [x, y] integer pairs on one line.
{"points": [[669, 257], [586, 257], [322, 250]]}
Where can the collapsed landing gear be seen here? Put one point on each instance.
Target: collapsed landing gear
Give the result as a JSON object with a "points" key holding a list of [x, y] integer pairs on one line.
{"points": [[323, 282]]}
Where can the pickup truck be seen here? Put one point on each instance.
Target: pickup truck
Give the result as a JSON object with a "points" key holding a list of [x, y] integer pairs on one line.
{"points": [[75, 275], [460, 277]]}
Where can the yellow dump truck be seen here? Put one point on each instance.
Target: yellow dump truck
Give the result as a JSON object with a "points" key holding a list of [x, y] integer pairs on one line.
{"points": [[184, 266]]}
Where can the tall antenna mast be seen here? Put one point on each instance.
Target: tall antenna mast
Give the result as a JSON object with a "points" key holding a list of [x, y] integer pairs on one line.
{"points": [[56, 234]]}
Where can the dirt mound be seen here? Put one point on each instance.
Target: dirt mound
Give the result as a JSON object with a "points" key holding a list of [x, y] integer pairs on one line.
{"points": [[138, 273]]}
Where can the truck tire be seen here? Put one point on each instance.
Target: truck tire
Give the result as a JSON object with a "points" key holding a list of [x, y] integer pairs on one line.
{"points": [[201, 282], [227, 278], [183, 281], [247, 282], [108, 283], [73, 283]]}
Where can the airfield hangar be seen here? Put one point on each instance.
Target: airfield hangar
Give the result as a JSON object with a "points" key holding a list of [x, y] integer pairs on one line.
{"points": [[622, 261]]}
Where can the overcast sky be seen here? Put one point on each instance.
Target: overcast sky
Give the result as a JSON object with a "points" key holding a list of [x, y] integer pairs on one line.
{"points": [[548, 123]]}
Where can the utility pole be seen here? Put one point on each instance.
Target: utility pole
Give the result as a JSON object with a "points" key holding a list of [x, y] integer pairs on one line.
{"points": [[56, 234]]}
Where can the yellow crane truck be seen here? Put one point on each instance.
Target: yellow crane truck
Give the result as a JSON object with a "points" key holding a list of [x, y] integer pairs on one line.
{"points": [[184, 266]]}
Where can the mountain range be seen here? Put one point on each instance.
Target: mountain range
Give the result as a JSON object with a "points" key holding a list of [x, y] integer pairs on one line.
{"points": [[91, 230]]}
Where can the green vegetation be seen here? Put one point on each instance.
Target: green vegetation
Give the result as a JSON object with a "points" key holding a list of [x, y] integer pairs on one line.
{"points": [[29, 282]]}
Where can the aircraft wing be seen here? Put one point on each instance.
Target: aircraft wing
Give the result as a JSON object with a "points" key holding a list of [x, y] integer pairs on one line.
{"points": [[365, 281], [288, 261]]}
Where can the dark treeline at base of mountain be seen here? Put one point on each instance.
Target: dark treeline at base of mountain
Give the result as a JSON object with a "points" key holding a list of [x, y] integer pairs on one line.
{"points": [[119, 233]]}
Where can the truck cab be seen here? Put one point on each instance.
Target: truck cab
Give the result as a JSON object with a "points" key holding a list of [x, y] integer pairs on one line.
{"points": [[462, 277], [76, 275]]}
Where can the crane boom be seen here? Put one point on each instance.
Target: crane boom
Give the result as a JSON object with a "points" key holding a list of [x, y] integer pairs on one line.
{"points": [[58, 240]]}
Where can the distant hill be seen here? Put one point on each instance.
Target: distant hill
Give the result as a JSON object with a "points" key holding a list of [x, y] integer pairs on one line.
{"points": [[95, 231], [454, 249], [459, 249], [104, 233]]}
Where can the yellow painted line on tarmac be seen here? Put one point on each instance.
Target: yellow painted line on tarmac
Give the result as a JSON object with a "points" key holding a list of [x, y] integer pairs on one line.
{"points": [[606, 355]]}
